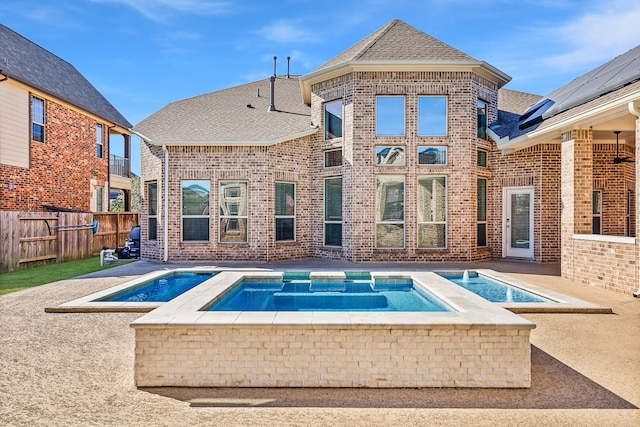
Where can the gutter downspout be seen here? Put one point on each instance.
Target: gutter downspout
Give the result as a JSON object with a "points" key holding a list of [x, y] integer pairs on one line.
{"points": [[166, 203], [636, 112]]}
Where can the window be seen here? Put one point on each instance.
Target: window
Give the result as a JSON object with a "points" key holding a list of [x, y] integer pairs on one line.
{"points": [[596, 210], [390, 156], [482, 212], [333, 211], [432, 212], [482, 119], [234, 203], [390, 115], [99, 144], [333, 119], [195, 211], [37, 119], [99, 196], [432, 155], [152, 210], [432, 115], [483, 159], [332, 158], [390, 211], [285, 211]]}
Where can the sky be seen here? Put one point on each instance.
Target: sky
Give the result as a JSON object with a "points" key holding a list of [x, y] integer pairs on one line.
{"points": [[143, 54]]}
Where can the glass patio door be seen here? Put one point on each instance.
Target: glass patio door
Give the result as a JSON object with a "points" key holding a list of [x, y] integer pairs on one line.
{"points": [[518, 222]]}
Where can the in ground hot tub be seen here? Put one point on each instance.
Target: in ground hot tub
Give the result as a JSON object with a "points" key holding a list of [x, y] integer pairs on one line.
{"points": [[473, 344]]}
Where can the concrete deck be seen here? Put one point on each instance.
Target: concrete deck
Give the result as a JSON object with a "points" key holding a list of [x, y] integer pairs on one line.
{"points": [[77, 368]]}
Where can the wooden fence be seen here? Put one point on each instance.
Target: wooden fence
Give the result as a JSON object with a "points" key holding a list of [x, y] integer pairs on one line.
{"points": [[29, 239]]}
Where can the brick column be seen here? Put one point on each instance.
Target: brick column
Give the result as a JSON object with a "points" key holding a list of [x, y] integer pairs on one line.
{"points": [[582, 181], [576, 191]]}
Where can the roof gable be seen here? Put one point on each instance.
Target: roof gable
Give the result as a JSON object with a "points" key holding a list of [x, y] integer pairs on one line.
{"points": [[28, 63], [400, 47], [398, 41]]}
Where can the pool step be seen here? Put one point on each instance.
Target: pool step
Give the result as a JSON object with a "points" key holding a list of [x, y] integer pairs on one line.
{"points": [[329, 301], [327, 281]]}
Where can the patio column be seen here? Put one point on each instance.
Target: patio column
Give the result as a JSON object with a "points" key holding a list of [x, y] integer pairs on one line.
{"points": [[576, 191]]}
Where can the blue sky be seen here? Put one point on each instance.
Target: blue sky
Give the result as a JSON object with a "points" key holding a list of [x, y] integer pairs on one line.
{"points": [[144, 54]]}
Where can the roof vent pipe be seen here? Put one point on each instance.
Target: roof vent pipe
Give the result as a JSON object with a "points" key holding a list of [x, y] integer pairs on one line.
{"points": [[288, 62], [272, 106]]}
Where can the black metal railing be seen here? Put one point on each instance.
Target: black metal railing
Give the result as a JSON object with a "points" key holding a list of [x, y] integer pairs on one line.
{"points": [[118, 166]]}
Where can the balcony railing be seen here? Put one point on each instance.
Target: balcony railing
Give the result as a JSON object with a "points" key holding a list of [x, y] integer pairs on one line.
{"points": [[118, 166]]}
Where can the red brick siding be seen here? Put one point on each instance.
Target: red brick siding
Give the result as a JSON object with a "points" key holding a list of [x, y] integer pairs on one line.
{"points": [[61, 170]]}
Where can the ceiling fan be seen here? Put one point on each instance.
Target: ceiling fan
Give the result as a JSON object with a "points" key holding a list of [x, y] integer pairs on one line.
{"points": [[619, 159]]}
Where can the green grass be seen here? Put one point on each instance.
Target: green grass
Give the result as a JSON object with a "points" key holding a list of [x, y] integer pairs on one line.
{"points": [[18, 280]]}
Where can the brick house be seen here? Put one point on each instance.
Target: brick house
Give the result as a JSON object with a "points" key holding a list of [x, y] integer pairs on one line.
{"points": [[401, 148], [55, 134]]}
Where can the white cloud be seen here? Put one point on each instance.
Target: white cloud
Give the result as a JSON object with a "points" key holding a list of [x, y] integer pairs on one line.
{"points": [[159, 10], [287, 32], [596, 37]]}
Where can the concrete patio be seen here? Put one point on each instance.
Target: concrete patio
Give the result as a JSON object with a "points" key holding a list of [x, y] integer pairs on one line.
{"points": [[77, 368]]}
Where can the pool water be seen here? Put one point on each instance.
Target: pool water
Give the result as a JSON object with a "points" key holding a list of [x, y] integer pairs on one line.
{"points": [[492, 290], [161, 289], [350, 295]]}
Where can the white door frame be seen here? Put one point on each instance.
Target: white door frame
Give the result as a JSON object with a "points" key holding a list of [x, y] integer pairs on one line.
{"points": [[509, 249]]}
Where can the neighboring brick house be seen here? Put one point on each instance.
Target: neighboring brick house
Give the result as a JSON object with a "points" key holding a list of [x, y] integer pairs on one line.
{"points": [[386, 155], [55, 130]]}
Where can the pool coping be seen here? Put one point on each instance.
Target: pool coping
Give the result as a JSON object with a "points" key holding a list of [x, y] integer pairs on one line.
{"points": [[470, 310], [562, 303]]}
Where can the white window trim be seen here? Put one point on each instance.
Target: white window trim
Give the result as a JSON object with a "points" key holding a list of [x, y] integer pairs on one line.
{"points": [[295, 211], [324, 213], [404, 150], [486, 214], [324, 158], [149, 215], [100, 139], [446, 154], [404, 116], [404, 217], [221, 217], [445, 222], [182, 216], [324, 119], [446, 117], [44, 119]]}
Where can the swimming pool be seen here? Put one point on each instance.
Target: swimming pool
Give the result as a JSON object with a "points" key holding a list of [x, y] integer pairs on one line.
{"points": [[474, 344], [491, 289], [160, 289], [329, 292]]}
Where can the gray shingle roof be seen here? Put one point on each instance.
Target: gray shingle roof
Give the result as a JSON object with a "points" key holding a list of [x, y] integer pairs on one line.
{"points": [[25, 61], [398, 41], [233, 116]]}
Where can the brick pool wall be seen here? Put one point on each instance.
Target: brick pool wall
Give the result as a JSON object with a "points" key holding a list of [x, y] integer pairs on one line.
{"points": [[308, 356]]}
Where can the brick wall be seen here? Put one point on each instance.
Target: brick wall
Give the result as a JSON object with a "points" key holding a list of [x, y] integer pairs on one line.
{"points": [[62, 169], [330, 357], [261, 168], [606, 262], [537, 167], [359, 170]]}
